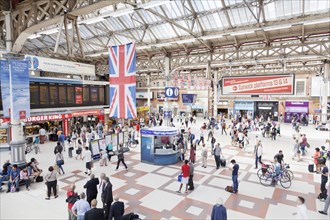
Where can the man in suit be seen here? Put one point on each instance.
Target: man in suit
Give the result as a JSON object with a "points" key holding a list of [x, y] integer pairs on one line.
{"points": [[91, 188], [117, 210], [94, 213], [107, 198]]}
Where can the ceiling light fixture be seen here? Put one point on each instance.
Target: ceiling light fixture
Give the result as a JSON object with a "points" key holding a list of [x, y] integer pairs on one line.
{"points": [[119, 13], [184, 41], [92, 20], [34, 36], [209, 37]]}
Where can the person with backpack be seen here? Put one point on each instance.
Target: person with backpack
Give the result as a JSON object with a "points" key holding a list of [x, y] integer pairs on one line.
{"points": [[72, 197]]}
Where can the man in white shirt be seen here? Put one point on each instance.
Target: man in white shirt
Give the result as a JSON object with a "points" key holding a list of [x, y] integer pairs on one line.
{"points": [[81, 207], [301, 213], [87, 157]]}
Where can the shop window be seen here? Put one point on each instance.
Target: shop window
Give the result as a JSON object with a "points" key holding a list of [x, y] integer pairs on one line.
{"points": [[94, 94], [44, 95], [300, 87], [101, 95], [34, 94], [53, 95], [86, 94], [70, 94], [157, 84], [139, 84], [62, 95]]}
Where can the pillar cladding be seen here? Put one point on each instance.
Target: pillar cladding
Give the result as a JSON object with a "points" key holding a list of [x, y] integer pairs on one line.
{"points": [[18, 153], [324, 95], [167, 78], [215, 94]]}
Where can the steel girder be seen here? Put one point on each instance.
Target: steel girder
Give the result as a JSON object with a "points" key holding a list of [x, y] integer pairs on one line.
{"points": [[31, 16]]}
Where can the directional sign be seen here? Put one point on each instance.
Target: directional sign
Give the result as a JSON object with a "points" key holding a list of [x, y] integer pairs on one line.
{"points": [[172, 92]]}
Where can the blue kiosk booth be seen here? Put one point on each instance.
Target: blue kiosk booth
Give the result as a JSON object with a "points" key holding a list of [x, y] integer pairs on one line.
{"points": [[157, 145]]}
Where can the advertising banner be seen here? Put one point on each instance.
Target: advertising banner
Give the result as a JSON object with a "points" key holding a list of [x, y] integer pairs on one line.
{"points": [[261, 85], [19, 71], [189, 98], [168, 114], [54, 117], [5, 88], [59, 66], [160, 95], [295, 108], [79, 95]]}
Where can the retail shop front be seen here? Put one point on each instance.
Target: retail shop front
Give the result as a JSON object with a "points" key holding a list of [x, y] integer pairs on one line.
{"points": [[87, 117], [223, 106], [295, 108], [242, 108], [49, 122], [267, 109]]}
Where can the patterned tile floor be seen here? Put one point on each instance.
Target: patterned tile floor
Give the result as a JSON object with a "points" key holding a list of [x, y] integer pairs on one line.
{"points": [[150, 190]]}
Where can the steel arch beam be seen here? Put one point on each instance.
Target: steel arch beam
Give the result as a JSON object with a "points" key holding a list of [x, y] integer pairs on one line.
{"points": [[52, 20]]}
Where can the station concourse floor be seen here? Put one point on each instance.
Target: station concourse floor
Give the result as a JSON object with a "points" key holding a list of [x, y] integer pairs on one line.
{"points": [[150, 190]]}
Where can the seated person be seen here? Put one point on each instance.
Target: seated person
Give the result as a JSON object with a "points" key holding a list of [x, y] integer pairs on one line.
{"points": [[14, 178], [24, 176], [34, 165], [31, 171]]}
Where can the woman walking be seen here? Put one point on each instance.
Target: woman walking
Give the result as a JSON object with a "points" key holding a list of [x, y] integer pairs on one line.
{"points": [[51, 182], [59, 161], [296, 150]]}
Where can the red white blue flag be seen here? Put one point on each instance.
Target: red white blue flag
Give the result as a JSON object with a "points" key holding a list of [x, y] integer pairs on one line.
{"points": [[122, 68]]}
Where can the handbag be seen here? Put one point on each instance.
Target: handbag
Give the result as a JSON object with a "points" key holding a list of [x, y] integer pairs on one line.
{"points": [[13, 188], [179, 177]]}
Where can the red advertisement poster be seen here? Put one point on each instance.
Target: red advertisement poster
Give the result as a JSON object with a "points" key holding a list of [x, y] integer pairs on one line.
{"points": [[259, 85], [79, 97]]}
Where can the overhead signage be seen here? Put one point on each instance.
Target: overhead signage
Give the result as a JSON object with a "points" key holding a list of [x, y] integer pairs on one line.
{"points": [[47, 117], [59, 66], [86, 113], [143, 108], [143, 95], [172, 92], [258, 85], [189, 98]]}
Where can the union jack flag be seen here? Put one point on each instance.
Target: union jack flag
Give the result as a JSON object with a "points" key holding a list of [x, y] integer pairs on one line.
{"points": [[122, 68]]}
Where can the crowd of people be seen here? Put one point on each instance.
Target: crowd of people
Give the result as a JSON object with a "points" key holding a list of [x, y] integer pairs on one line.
{"points": [[83, 205]]}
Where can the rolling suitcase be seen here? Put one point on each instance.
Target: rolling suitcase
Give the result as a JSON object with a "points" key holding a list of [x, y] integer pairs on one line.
{"points": [[311, 168], [222, 162]]}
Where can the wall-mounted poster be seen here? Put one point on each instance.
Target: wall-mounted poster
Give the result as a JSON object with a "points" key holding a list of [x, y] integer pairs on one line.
{"points": [[95, 149], [108, 139], [125, 137], [102, 144], [121, 138], [114, 139]]}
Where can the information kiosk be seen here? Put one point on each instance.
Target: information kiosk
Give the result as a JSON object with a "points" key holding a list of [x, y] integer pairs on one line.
{"points": [[158, 145]]}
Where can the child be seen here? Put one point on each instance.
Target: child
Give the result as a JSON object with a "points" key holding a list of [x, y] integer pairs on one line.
{"points": [[104, 157]]}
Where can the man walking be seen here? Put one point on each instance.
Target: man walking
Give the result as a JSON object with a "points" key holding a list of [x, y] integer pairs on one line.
{"points": [[191, 176], [185, 175], [81, 207], [91, 188], [88, 160], [258, 152], [204, 156], [235, 175], [107, 197], [217, 154], [327, 202], [121, 157]]}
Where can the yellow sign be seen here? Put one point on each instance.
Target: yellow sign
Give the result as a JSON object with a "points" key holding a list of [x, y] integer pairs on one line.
{"points": [[143, 108]]}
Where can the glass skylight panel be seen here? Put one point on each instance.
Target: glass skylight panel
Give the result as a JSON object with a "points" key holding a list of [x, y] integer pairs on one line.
{"points": [[206, 24], [219, 23], [270, 11], [206, 5], [287, 8], [296, 7]]}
